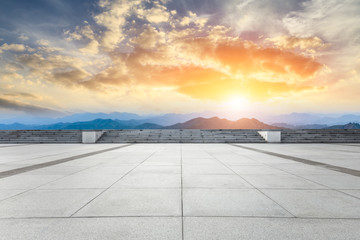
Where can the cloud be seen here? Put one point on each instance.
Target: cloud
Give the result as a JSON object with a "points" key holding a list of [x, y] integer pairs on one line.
{"points": [[69, 77], [43, 42], [156, 14], [149, 38], [113, 19], [30, 109], [205, 68], [23, 37], [15, 47], [243, 48], [20, 94], [303, 43]]}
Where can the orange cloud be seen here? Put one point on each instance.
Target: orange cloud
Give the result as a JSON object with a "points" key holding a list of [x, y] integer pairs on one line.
{"points": [[202, 83], [304, 43], [205, 68]]}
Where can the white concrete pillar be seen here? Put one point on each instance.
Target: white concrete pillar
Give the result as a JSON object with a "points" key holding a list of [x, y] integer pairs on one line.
{"points": [[271, 136]]}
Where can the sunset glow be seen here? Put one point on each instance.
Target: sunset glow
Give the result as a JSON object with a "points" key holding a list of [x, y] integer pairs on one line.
{"points": [[60, 57]]}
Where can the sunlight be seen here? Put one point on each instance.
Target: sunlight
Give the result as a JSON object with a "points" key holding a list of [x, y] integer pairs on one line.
{"points": [[236, 103]]}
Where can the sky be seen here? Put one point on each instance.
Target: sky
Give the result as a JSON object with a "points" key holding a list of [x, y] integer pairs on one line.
{"points": [[150, 57]]}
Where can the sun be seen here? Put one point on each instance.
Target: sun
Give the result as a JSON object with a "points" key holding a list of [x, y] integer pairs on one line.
{"points": [[236, 103]]}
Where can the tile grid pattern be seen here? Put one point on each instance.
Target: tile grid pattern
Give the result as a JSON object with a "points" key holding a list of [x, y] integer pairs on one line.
{"points": [[254, 186], [307, 179], [181, 191], [106, 189]]}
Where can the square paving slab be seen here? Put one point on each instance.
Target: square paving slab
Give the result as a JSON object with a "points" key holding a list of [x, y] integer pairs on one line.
{"points": [[180, 191]]}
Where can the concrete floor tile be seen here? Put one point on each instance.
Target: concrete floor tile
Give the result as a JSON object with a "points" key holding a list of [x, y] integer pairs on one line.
{"points": [[201, 161], [6, 193], [82, 180], [135, 202], [234, 228], [207, 169], [280, 181], [256, 170], [56, 170], [149, 180], [45, 203], [214, 181], [316, 203], [230, 202], [108, 170], [141, 228], [158, 169], [337, 181], [21, 181], [355, 193]]}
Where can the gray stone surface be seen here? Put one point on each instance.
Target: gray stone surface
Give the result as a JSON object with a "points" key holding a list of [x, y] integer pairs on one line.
{"points": [[135, 202], [317, 203], [46, 203], [142, 228], [180, 191], [230, 202], [235, 228], [280, 181]]}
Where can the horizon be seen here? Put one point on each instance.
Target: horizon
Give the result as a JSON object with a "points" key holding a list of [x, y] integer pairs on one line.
{"points": [[232, 58], [124, 120]]}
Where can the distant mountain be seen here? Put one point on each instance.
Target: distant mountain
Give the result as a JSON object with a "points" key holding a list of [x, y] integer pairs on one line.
{"points": [[15, 126], [217, 123], [311, 119], [346, 126], [86, 125], [103, 124], [196, 123], [173, 118], [149, 126], [164, 120], [296, 119], [306, 126], [92, 116]]}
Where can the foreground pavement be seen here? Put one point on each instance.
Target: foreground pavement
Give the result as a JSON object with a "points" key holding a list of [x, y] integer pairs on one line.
{"points": [[180, 191]]}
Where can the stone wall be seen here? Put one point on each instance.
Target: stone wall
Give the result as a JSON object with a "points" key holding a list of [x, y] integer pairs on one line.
{"points": [[180, 136]]}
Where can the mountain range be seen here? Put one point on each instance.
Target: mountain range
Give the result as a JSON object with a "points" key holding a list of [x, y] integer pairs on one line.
{"points": [[303, 119], [196, 123], [217, 123], [125, 120]]}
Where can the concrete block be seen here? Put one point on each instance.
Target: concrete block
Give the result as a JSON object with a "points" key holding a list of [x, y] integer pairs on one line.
{"points": [[91, 136], [271, 136]]}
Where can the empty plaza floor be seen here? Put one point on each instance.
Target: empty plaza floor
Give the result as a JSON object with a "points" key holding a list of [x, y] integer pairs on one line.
{"points": [[180, 191]]}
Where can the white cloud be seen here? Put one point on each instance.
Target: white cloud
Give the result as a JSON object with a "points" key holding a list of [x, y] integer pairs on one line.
{"points": [[23, 37], [15, 47], [113, 18], [43, 42]]}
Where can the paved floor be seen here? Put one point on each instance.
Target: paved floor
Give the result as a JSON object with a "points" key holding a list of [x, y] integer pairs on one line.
{"points": [[180, 191]]}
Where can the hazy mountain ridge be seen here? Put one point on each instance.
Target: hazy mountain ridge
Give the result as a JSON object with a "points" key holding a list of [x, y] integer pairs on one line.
{"points": [[161, 119], [196, 123], [217, 123], [131, 120], [303, 119], [346, 126], [306, 126]]}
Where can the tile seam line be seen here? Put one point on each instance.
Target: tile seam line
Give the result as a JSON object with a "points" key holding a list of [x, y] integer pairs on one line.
{"points": [[16, 171], [348, 171], [257, 189], [307, 179], [98, 195], [39, 187], [176, 216]]}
